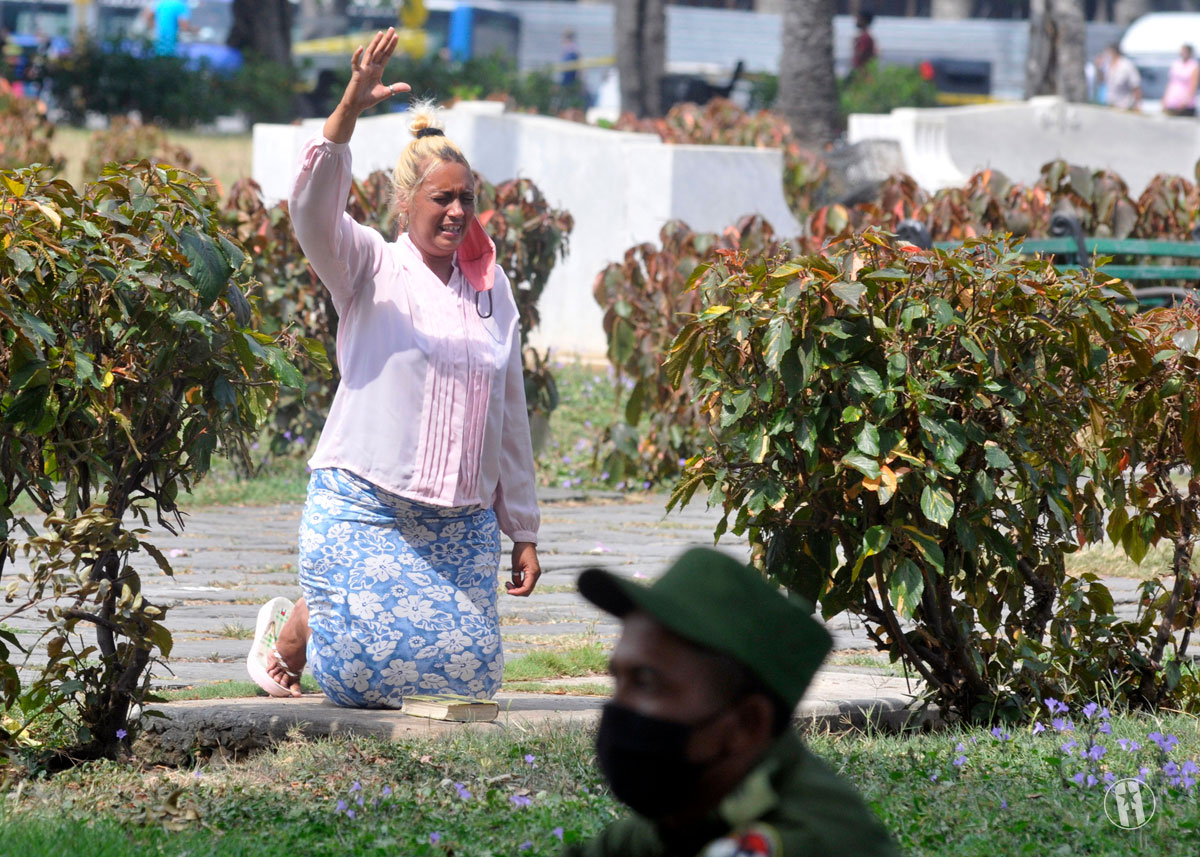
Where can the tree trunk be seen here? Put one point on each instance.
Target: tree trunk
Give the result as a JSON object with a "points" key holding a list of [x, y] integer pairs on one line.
{"points": [[263, 28], [641, 54], [1126, 10], [807, 84], [1057, 50]]}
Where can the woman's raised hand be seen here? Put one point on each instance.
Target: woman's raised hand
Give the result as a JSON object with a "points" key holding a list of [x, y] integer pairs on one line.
{"points": [[366, 87]]}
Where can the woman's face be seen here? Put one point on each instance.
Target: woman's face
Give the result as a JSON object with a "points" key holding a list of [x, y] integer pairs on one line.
{"points": [[1186, 52], [441, 210]]}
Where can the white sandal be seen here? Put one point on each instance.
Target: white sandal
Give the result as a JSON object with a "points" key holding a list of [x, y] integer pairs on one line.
{"points": [[271, 619]]}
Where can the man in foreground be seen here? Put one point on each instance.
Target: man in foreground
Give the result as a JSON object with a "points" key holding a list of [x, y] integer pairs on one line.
{"points": [[697, 739]]}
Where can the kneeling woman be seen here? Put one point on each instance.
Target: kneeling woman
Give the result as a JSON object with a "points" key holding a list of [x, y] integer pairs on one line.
{"points": [[426, 455]]}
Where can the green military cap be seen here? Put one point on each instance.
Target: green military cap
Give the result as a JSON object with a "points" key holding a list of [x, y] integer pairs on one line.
{"points": [[711, 599]]}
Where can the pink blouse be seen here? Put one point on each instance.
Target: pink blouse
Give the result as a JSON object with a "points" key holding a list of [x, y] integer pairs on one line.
{"points": [[1179, 94], [431, 405]]}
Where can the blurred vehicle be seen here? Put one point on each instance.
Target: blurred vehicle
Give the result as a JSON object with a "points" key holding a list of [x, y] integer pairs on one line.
{"points": [[1153, 42], [459, 30], [33, 22]]}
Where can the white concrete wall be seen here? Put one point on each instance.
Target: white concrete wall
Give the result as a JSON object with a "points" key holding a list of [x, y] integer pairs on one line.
{"points": [[943, 146], [620, 188]]}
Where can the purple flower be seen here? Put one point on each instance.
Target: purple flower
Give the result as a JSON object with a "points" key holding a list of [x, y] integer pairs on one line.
{"points": [[1105, 729], [520, 801], [357, 787], [1069, 747], [434, 838], [1096, 752], [525, 846], [1054, 706], [300, 439], [1003, 803], [531, 760], [1038, 729], [387, 790], [1062, 725], [341, 807], [350, 814], [933, 777], [1143, 773], [1130, 746], [1078, 778], [1171, 769], [121, 733], [462, 791], [1165, 742], [1000, 735], [359, 800], [1109, 776], [1105, 714], [558, 831], [1089, 710], [959, 761]]}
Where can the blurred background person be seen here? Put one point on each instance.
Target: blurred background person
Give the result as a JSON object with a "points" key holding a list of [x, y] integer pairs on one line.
{"points": [[166, 19], [1122, 81], [864, 43], [1179, 98]]}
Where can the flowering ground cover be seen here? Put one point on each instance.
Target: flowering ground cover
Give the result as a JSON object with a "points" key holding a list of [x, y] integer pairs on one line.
{"points": [[1007, 791]]}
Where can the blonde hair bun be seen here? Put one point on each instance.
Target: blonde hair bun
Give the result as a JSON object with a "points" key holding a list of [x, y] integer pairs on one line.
{"points": [[425, 114]]}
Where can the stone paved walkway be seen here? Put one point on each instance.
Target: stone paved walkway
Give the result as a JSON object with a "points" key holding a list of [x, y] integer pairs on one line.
{"points": [[229, 560]]}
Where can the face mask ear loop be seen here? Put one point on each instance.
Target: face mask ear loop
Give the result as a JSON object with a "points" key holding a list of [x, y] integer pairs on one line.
{"points": [[480, 312]]}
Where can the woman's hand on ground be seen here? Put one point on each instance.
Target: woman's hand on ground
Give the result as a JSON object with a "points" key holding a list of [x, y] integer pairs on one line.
{"points": [[525, 569], [366, 87]]}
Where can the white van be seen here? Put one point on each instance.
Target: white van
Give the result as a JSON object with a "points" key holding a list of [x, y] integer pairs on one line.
{"points": [[1153, 42]]}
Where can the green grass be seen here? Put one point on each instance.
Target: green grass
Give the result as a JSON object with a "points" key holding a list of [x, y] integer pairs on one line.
{"points": [[1008, 797], [584, 688], [1108, 560], [580, 660], [878, 662], [229, 690], [589, 402], [284, 480], [226, 157], [236, 631]]}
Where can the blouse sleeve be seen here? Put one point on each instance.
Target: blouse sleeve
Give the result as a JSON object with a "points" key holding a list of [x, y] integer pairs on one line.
{"points": [[344, 253], [516, 492]]}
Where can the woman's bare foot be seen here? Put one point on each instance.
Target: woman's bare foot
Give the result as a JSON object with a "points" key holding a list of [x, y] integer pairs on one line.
{"points": [[292, 647]]}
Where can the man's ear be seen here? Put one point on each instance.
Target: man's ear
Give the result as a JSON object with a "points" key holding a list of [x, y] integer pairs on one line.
{"points": [[756, 721]]}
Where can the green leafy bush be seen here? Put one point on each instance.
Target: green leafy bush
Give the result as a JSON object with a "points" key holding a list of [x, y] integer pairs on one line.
{"points": [[25, 134], [125, 141], [914, 437], [128, 355], [882, 88], [1152, 456], [110, 79], [646, 300], [107, 78]]}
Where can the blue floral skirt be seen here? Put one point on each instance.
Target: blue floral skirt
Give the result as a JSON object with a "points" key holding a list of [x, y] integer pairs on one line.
{"points": [[401, 595]]}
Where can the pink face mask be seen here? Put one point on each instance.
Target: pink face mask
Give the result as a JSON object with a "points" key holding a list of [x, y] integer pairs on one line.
{"points": [[477, 257]]}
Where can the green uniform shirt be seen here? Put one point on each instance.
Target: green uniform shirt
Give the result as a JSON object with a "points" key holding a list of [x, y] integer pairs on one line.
{"points": [[791, 805]]}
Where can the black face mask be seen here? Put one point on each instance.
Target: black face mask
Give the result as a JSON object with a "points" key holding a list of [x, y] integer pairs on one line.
{"points": [[645, 760]]}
